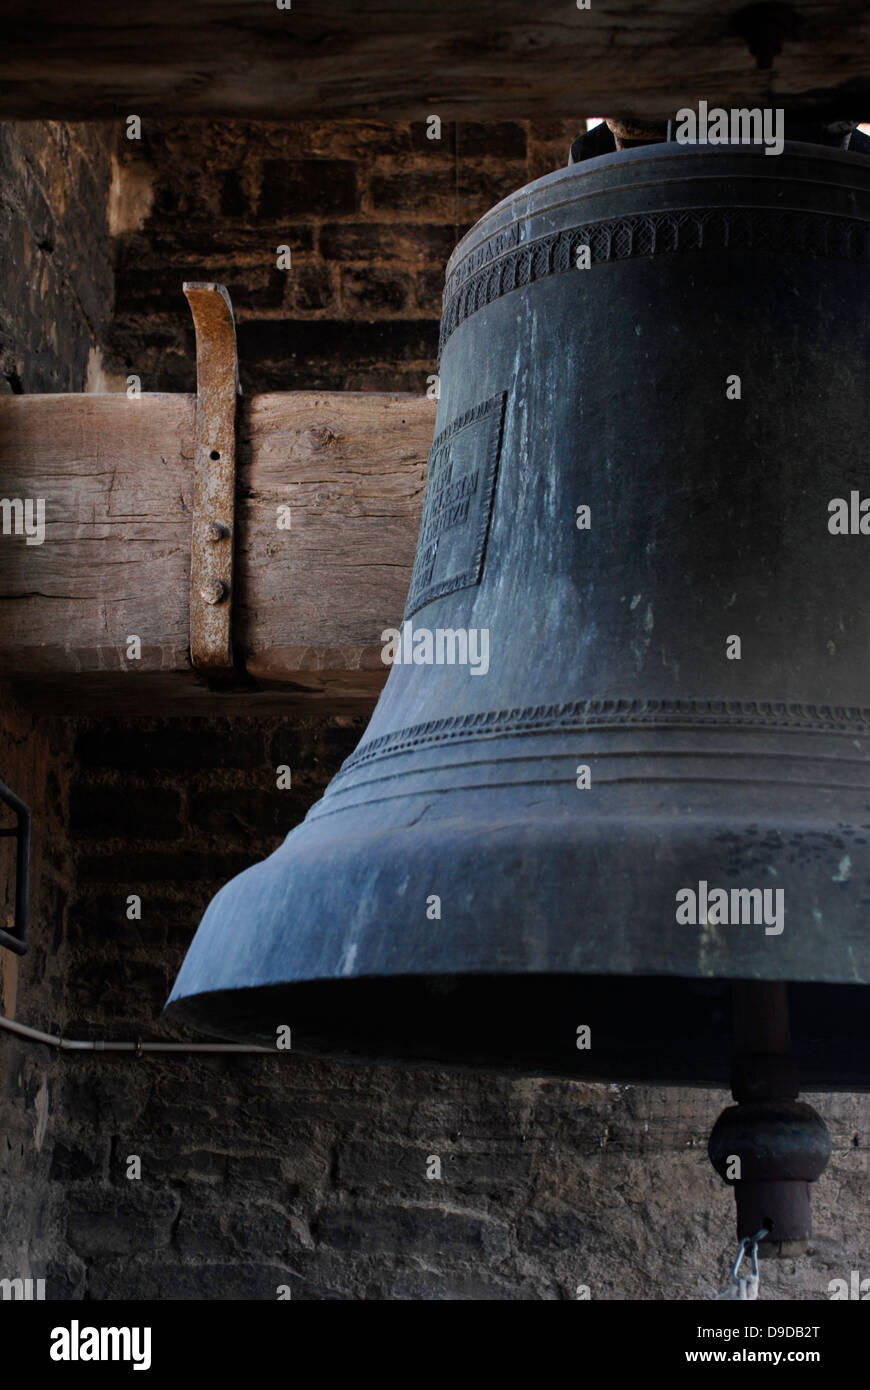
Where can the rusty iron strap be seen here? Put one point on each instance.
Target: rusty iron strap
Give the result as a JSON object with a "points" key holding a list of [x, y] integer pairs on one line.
{"points": [[214, 486]]}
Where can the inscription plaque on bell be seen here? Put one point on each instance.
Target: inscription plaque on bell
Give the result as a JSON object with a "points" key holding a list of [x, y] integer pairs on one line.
{"points": [[460, 488]]}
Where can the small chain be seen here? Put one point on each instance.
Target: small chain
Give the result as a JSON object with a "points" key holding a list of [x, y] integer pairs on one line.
{"points": [[745, 1286]]}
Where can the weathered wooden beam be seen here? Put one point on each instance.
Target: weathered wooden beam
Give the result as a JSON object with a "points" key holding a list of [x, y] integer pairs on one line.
{"points": [[315, 584], [401, 60]]}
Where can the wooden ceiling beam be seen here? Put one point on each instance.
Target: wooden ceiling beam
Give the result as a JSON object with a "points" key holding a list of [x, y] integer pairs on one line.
{"points": [[405, 59]]}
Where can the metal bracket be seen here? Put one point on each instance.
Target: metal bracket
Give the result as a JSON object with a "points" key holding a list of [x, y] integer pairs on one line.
{"points": [[214, 486], [16, 940]]}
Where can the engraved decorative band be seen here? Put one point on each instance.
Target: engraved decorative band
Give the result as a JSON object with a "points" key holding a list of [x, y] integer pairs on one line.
{"points": [[604, 714], [503, 263]]}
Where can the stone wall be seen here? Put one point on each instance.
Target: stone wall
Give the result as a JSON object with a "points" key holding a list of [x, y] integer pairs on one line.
{"points": [[34, 763], [56, 287], [55, 268]]}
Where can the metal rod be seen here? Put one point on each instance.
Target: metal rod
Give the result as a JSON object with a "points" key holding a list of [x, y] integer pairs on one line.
{"points": [[85, 1045]]}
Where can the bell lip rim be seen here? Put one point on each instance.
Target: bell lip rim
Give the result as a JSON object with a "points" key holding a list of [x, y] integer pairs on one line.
{"points": [[175, 999], [337, 1047], [666, 149]]}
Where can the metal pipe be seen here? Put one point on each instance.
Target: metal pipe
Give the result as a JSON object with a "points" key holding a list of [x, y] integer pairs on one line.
{"points": [[82, 1045]]}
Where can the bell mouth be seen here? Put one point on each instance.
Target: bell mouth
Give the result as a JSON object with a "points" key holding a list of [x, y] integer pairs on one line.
{"points": [[663, 1029], [538, 930]]}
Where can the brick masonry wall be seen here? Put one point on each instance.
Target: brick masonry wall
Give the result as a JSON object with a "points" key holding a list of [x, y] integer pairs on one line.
{"points": [[261, 1172], [370, 212]]}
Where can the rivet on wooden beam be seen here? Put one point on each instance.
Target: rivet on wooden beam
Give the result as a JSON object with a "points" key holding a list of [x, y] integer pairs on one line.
{"points": [[213, 532]]}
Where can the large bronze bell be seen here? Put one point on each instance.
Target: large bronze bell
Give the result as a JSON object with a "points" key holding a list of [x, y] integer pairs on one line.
{"points": [[635, 786]]}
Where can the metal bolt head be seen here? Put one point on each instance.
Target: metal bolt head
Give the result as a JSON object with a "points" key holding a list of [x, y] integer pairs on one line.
{"points": [[213, 591], [216, 531]]}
